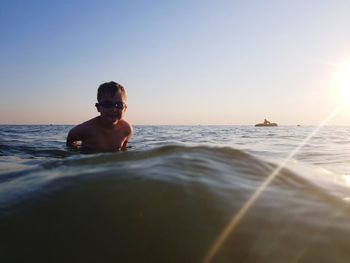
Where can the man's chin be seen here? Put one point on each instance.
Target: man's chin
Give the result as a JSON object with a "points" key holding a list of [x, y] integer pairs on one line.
{"points": [[113, 119], [110, 119]]}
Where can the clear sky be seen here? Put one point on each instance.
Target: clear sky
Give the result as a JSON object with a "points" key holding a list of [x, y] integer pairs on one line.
{"points": [[181, 62]]}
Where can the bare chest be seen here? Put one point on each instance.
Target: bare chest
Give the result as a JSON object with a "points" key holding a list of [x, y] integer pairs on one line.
{"points": [[104, 140]]}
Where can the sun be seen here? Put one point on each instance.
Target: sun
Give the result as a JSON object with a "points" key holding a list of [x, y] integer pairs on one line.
{"points": [[345, 88], [342, 85]]}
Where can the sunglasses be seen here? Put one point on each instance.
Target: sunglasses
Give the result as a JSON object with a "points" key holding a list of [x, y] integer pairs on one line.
{"points": [[110, 104]]}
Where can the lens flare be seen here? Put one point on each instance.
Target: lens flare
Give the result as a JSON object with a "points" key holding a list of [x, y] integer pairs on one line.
{"points": [[239, 216]]}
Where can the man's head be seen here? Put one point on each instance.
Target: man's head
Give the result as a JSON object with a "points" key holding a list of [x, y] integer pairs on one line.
{"points": [[111, 88], [111, 98]]}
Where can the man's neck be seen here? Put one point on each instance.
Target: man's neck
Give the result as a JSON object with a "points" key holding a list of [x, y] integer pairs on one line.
{"points": [[106, 124]]}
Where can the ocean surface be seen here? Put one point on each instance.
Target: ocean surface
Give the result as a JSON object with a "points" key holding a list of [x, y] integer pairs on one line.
{"points": [[178, 194]]}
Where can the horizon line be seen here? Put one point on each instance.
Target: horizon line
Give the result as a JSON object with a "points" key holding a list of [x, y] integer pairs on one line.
{"points": [[152, 124]]}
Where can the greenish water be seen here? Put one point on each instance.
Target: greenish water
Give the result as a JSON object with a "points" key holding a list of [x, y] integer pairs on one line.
{"points": [[168, 198]]}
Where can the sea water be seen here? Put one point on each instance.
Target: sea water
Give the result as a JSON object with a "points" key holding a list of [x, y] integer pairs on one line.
{"points": [[178, 194]]}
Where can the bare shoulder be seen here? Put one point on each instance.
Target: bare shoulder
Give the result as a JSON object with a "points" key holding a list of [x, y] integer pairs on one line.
{"points": [[80, 132], [125, 127], [83, 127]]}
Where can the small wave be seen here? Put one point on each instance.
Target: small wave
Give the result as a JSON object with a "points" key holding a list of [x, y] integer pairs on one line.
{"points": [[13, 149], [168, 204], [232, 167]]}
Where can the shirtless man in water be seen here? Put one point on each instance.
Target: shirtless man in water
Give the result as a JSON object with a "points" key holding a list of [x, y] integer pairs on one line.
{"points": [[107, 132]]}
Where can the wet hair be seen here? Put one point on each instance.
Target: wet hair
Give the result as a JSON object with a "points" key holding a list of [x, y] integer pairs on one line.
{"points": [[111, 88]]}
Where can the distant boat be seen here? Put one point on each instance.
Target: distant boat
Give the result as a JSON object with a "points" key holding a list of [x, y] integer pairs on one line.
{"points": [[271, 124], [266, 123]]}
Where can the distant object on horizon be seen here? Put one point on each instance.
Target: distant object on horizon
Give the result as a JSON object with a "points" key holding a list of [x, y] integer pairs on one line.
{"points": [[266, 123]]}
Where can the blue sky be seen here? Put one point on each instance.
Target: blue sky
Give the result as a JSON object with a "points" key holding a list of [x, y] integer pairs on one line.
{"points": [[181, 62]]}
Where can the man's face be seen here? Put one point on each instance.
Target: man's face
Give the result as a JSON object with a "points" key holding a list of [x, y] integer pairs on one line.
{"points": [[112, 108]]}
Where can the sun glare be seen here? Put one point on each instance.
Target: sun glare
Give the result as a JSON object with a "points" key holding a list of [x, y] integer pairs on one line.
{"points": [[343, 85], [345, 89]]}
